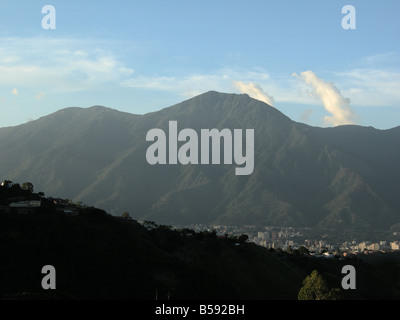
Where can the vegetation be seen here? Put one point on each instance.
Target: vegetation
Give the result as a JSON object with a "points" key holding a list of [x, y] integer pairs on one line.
{"points": [[316, 288], [99, 256]]}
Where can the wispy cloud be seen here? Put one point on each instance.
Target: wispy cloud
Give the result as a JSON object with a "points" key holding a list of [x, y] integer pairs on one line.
{"points": [[364, 87], [69, 65], [371, 87], [333, 101], [254, 90], [381, 59], [57, 66], [192, 84], [40, 96]]}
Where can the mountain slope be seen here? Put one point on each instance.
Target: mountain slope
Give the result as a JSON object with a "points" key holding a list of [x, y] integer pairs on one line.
{"points": [[303, 176]]}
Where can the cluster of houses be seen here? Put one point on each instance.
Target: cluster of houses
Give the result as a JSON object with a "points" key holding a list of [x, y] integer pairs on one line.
{"points": [[7, 184], [21, 205], [64, 206], [29, 206]]}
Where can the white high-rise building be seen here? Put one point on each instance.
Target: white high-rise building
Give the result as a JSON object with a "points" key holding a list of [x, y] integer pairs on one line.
{"points": [[394, 245]]}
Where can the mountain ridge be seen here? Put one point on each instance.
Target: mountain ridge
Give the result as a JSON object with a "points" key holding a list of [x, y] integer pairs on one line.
{"points": [[303, 175]]}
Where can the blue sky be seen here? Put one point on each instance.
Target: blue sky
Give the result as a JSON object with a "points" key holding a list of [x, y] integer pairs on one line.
{"points": [[142, 56]]}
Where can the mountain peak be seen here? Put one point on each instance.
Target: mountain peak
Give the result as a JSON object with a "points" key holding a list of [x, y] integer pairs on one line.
{"points": [[302, 175], [98, 108], [212, 94], [214, 101]]}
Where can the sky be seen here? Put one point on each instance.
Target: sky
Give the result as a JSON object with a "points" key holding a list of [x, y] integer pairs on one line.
{"points": [[301, 57]]}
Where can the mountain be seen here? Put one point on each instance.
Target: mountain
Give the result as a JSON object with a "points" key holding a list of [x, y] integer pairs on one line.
{"points": [[341, 177]]}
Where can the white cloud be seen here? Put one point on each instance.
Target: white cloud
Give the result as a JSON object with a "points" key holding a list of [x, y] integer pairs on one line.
{"points": [[254, 90], [332, 99], [281, 88], [59, 65], [68, 65], [381, 58], [371, 87], [193, 84], [40, 96]]}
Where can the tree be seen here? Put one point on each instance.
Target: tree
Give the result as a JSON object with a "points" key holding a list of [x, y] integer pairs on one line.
{"points": [[243, 238], [16, 188], [316, 288], [304, 251], [28, 186]]}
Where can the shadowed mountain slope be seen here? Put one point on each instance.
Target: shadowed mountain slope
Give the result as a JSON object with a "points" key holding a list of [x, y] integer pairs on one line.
{"points": [[346, 176]]}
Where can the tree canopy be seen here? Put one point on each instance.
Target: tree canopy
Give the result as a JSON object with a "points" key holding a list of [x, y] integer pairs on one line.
{"points": [[316, 288]]}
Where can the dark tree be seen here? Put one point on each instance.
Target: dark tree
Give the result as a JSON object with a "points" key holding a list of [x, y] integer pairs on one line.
{"points": [[243, 238]]}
